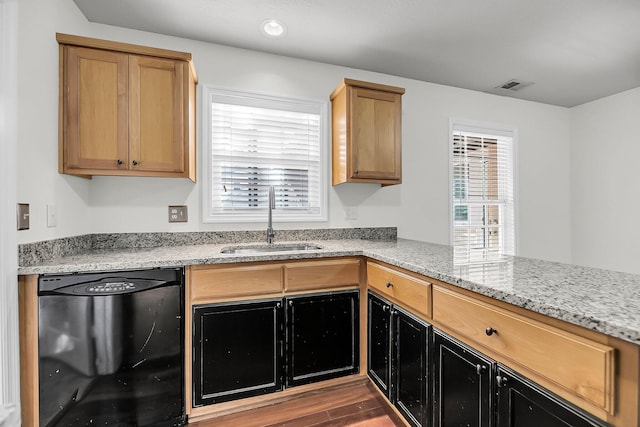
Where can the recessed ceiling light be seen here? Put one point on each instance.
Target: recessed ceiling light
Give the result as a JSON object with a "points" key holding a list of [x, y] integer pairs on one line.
{"points": [[273, 28]]}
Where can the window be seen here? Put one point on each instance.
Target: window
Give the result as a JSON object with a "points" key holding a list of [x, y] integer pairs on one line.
{"points": [[257, 141], [482, 191]]}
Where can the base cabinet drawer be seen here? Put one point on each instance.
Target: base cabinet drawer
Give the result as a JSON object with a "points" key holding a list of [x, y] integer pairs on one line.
{"points": [[221, 282], [301, 276], [581, 366], [407, 290]]}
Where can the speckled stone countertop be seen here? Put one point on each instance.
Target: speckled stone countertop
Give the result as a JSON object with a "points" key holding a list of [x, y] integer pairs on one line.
{"points": [[604, 301]]}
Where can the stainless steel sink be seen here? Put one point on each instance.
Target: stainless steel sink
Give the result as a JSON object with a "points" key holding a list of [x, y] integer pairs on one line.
{"points": [[269, 249]]}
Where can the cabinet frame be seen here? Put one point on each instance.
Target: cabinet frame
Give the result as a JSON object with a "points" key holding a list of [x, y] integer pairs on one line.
{"points": [[366, 133], [130, 129]]}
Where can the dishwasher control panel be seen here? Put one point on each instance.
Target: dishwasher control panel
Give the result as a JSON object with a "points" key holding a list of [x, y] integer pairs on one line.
{"points": [[111, 287]]}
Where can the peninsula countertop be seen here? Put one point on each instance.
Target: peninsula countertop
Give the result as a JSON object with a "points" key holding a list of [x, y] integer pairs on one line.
{"points": [[601, 300]]}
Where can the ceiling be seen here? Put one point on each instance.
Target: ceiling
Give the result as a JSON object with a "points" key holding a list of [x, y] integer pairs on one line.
{"points": [[573, 51]]}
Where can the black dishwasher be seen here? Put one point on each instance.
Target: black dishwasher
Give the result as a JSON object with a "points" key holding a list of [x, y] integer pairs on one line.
{"points": [[111, 348]]}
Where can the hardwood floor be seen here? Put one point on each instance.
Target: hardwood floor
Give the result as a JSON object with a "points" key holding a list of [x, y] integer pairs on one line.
{"points": [[354, 405]]}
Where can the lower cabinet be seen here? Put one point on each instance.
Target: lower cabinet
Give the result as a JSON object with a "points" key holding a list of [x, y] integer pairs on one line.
{"points": [[398, 358], [322, 337], [472, 390], [249, 348], [463, 384]]}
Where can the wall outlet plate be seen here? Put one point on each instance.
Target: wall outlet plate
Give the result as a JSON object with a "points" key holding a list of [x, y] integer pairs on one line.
{"points": [[178, 214], [23, 216], [351, 212]]}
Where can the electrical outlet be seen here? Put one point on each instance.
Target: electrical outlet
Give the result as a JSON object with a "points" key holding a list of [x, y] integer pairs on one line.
{"points": [[52, 217], [351, 212], [23, 216], [178, 214]]}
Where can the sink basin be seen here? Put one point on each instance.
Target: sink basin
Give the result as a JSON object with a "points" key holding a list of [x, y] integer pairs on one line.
{"points": [[269, 249]]}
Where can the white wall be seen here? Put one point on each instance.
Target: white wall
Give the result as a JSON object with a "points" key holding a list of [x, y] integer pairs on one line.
{"points": [[605, 182], [418, 207]]}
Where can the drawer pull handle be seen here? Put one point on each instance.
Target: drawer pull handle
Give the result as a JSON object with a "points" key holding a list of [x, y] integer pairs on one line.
{"points": [[490, 331], [389, 285]]}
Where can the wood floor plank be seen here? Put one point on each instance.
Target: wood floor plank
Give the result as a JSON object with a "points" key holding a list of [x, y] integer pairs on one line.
{"points": [[354, 405]]}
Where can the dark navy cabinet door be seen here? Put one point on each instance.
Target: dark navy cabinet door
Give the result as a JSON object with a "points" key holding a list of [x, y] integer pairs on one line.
{"points": [[398, 358], [237, 350], [322, 336], [410, 367], [463, 384], [379, 342]]}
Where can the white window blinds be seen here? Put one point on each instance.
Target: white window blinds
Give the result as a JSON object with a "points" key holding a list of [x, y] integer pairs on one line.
{"points": [[259, 141], [482, 192]]}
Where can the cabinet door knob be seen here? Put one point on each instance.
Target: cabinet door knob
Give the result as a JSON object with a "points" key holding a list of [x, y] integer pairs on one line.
{"points": [[389, 285], [385, 307], [135, 163], [355, 172], [480, 368], [119, 162], [501, 381], [490, 331]]}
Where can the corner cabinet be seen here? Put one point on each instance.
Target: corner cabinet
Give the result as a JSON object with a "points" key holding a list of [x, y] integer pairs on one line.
{"points": [[125, 110], [398, 358], [366, 133]]}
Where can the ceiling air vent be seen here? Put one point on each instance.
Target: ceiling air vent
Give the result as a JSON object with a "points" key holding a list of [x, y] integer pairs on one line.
{"points": [[513, 85]]}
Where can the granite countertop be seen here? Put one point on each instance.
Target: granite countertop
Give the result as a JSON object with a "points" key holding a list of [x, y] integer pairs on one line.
{"points": [[601, 300]]}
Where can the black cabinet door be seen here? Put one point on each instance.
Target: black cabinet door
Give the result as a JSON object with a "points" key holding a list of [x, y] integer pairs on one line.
{"points": [[379, 342], [237, 350], [410, 367], [322, 336], [463, 384], [522, 403]]}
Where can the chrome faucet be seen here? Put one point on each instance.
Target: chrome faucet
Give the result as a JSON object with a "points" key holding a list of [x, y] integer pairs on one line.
{"points": [[272, 205]]}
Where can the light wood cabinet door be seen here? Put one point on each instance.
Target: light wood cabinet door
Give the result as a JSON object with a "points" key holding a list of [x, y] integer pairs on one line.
{"points": [[366, 133], [95, 109], [375, 135], [125, 110], [156, 114]]}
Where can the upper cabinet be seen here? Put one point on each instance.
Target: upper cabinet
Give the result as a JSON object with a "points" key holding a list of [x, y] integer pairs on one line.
{"points": [[367, 133], [125, 110]]}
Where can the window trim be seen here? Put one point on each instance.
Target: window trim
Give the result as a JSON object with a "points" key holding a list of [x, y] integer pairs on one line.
{"points": [[489, 129], [263, 99]]}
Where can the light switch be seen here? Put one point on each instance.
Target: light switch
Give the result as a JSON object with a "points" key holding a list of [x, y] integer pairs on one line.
{"points": [[23, 216], [52, 217]]}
